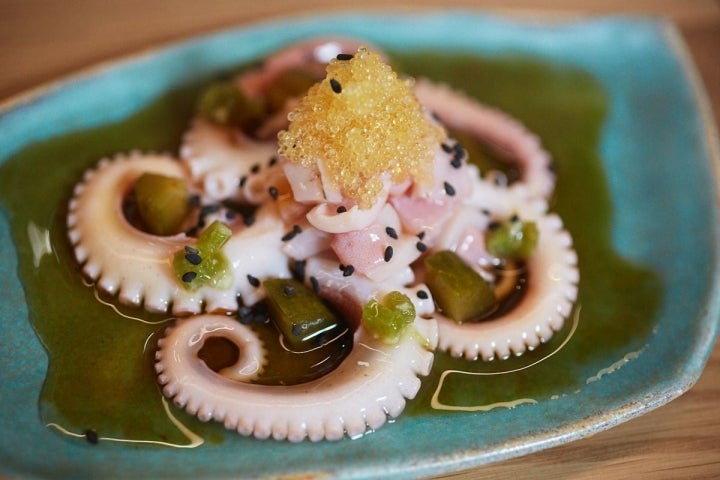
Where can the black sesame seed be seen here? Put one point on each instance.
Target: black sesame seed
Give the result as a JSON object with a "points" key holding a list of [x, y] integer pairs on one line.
{"points": [[193, 258], [91, 436], [300, 268], [194, 200], [485, 211], [288, 290], [335, 85], [456, 162], [255, 168], [315, 285], [242, 181], [421, 235], [248, 220], [391, 232], [253, 280], [208, 209], [273, 192], [449, 189], [348, 270], [258, 313], [191, 250], [341, 209], [245, 314], [273, 161], [422, 294], [494, 225], [344, 56], [421, 246], [515, 218], [446, 148], [388, 253], [189, 277], [230, 215], [291, 234]]}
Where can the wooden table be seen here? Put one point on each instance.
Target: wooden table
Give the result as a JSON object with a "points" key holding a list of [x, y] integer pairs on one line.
{"points": [[43, 40]]}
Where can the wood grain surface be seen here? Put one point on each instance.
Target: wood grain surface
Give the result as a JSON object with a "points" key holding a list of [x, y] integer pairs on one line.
{"points": [[41, 41]]}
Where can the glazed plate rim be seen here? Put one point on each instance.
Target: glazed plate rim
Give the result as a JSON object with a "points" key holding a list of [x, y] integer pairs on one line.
{"points": [[16, 117]]}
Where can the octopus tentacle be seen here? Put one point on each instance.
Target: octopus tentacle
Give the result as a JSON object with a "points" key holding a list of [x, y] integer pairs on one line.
{"points": [[137, 266], [121, 259], [187, 337], [218, 157], [551, 290], [370, 385], [499, 130]]}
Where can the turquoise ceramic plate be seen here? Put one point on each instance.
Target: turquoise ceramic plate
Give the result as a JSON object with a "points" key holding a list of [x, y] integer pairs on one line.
{"points": [[658, 152]]}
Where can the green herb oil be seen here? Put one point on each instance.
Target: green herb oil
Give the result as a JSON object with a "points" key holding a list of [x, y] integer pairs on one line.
{"points": [[101, 355]]}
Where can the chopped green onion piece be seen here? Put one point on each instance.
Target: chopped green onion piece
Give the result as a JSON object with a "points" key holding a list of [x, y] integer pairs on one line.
{"points": [[387, 319], [459, 291], [205, 264]]}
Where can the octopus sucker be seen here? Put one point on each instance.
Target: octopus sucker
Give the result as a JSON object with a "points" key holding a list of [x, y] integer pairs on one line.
{"points": [[551, 291], [500, 131], [373, 379]]}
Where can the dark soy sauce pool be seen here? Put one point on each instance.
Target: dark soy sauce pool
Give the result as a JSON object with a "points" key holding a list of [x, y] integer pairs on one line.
{"points": [[101, 375]]}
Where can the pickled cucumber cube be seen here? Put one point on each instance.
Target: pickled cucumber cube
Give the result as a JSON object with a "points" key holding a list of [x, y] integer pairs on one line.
{"points": [[162, 202], [301, 316], [458, 290], [225, 104], [387, 319], [513, 239], [290, 84]]}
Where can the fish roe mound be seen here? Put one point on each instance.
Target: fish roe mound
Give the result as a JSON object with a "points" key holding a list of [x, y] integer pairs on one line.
{"points": [[361, 126]]}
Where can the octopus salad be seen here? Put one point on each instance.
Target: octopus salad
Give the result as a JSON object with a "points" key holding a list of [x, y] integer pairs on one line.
{"points": [[319, 236]]}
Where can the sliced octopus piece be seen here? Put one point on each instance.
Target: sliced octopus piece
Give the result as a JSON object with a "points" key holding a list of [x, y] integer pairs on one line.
{"points": [[369, 386], [131, 264], [501, 132], [551, 290]]}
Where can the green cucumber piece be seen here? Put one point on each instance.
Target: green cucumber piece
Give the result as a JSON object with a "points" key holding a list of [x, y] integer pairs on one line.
{"points": [[458, 290], [301, 316], [162, 203], [513, 239]]}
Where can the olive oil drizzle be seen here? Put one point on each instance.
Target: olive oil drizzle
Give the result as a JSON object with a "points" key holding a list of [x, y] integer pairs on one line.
{"points": [[438, 405], [194, 439]]}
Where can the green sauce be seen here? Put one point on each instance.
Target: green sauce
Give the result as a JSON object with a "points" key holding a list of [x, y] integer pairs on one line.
{"points": [[101, 374]]}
